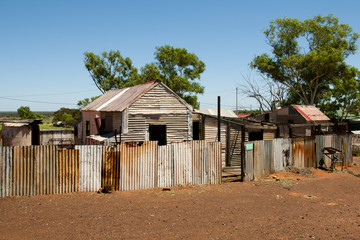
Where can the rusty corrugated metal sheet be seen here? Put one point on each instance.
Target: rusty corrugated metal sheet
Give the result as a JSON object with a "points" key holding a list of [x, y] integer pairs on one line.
{"points": [[6, 155], [38, 170], [34, 170], [118, 99], [110, 174], [68, 170], [311, 113], [90, 167]]}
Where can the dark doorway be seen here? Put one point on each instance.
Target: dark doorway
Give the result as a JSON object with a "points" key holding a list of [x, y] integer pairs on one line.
{"points": [[253, 136], [87, 126], [157, 133], [35, 134], [196, 130]]}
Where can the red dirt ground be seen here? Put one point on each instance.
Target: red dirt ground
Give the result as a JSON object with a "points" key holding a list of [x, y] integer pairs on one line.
{"points": [[322, 206]]}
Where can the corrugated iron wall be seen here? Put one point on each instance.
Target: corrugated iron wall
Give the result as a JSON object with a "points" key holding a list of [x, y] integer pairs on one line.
{"points": [[38, 170], [268, 156], [340, 142], [90, 167], [6, 155]]}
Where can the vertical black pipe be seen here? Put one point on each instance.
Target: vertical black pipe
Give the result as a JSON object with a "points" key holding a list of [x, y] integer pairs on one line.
{"points": [[219, 123], [243, 153]]}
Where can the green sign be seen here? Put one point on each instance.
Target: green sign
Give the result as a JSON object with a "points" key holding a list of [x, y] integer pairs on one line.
{"points": [[249, 146]]}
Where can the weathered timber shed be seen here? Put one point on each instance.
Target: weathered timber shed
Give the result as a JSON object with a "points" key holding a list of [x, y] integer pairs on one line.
{"points": [[147, 112], [297, 120], [233, 133], [20, 132]]}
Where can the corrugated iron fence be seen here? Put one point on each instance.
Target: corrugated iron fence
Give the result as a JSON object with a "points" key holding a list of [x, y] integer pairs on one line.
{"points": [[37, 170], [263, 158]]}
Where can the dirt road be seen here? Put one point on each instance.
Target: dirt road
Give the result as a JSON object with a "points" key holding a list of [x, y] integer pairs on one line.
{"points": [[323, 206]]}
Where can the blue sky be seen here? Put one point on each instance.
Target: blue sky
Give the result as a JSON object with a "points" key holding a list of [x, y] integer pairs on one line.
{"points": [[42, 42]]}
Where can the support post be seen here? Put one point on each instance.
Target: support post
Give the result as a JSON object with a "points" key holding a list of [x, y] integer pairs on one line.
{"points": [[243, 153], [219, 120]]}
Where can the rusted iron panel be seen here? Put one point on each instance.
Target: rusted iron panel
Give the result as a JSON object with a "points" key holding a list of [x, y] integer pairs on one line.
{"points": [[110, 174], [309, 153], [22, 171], [6, 155], [90, 167], [68, 170], [298, 152], [45, 170], [117, 99]]}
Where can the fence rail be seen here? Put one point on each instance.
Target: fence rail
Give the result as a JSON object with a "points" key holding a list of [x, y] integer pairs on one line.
{"points": [[38, 170]]}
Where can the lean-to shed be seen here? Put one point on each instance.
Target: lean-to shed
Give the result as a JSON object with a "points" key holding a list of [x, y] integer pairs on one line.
{"points": [[233, 132], [145, 112]]}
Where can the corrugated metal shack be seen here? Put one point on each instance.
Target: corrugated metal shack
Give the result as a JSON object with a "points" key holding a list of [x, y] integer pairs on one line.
{"points": [[147, 112], [20, 132], [234, 132], [297, 120]]}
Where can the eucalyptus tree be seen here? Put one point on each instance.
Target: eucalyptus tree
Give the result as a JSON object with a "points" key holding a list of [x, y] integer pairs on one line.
{"points": [[308, 57]]}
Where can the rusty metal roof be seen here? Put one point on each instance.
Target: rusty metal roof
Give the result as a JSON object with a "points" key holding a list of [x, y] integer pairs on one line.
{"points": [[311, 113], [243, 115], [119, 99]]}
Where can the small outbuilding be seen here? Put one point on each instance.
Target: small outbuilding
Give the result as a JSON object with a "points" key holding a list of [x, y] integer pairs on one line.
{"points": [[147, 112], [297, 120], [20, 132]]}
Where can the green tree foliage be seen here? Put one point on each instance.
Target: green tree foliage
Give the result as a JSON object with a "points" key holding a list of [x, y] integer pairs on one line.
{"points": [[308, 56], [343, 99], [110, 70], [67, 115], [175, 67], [25, 113], [180, 71], [86, 101]]}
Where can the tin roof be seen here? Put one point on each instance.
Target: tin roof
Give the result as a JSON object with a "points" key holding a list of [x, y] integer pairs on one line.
{"points": [[243, 115], [224, 112], [311, 113], [119, 99]]}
